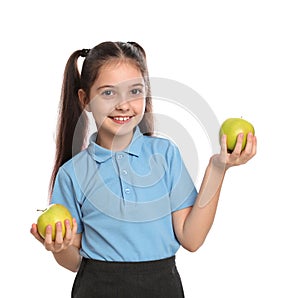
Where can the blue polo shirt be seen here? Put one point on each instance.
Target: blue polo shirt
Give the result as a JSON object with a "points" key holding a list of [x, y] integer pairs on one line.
{"points": [[123, 201]]}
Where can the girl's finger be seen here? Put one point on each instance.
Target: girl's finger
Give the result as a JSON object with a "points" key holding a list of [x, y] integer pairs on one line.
{"points": [[58, 234], [35, 233], [74, 228], [48, 243], [238, 146], [224, 145], [254, 146], [249, 144], [250, 149], [68, 235]]}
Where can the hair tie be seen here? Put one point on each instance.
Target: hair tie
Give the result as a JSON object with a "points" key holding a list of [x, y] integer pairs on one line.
{"points": [[84, 52]]}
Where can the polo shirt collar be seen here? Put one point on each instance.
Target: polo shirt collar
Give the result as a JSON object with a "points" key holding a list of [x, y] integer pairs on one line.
{"points": [[101, 154]]}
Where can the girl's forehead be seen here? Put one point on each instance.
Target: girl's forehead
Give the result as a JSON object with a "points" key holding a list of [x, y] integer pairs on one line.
{"points": [[115, 72]]}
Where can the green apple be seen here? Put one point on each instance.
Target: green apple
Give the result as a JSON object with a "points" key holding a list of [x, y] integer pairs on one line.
{"points": [[232, 127], [50, 216]]}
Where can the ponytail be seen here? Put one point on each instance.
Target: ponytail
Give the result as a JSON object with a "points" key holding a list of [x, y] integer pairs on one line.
{"points": [[71, 116]]}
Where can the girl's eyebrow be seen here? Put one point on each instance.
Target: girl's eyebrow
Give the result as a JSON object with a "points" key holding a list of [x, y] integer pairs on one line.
{"points": [[138, 84], [105, 86], [113, 86]]}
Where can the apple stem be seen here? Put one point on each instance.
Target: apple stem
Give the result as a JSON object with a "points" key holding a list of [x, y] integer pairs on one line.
{"points": [[41, 210]]}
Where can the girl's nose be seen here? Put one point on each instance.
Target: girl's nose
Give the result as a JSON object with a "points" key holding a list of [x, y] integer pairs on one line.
{"points": [[123, 104]]}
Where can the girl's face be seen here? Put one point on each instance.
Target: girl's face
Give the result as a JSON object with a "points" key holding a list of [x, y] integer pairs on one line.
{"points": [[117, 102]]}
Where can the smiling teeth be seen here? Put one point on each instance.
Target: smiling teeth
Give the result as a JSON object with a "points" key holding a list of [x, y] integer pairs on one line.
{"points": [[121, 118]]}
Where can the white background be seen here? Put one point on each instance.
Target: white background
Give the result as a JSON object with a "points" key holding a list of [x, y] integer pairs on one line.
{"points": [[243, 57]]}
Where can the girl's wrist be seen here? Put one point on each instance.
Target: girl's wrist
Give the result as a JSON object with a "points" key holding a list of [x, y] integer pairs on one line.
{"points": [[216, 164]]}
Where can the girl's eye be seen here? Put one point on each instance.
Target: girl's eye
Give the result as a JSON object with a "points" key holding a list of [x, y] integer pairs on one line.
{"points": [[108, 93], [136, 91]]}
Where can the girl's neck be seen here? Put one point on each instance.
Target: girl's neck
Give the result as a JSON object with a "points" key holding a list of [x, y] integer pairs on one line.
{"points": [[114, 143]]}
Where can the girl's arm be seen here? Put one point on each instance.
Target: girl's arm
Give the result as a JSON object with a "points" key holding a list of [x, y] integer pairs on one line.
{"points": [[191, 225], [65, 250]]}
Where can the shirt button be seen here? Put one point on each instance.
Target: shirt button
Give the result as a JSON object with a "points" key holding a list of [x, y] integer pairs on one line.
{"points": [[120, 156], [127, 191], [124, 172]]}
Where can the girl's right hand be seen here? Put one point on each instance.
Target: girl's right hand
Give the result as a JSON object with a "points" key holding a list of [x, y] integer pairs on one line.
{"points": [[60, 243]]}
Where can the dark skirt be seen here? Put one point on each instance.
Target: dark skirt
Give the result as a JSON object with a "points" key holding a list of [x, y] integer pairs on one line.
{"points": [[153, 279]]}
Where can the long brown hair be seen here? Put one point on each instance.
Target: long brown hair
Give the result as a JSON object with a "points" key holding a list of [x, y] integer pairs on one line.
{"points": [[72, 115]]}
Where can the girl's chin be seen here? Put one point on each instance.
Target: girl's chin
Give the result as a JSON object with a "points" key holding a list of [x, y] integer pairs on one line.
{"points": [[117, 131], [118, 128]]}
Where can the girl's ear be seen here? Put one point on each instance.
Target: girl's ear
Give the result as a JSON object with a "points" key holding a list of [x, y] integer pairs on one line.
{"points": [[83, 100]]}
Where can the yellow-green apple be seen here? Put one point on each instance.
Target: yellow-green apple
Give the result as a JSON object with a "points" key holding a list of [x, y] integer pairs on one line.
{"points": [[50, 216], [232, 127]]}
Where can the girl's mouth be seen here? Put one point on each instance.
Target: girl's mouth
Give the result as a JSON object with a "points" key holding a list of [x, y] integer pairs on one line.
{"points": [[121, 119]]}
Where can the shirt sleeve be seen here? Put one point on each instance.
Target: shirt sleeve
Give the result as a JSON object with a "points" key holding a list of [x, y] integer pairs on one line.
{"points": [[182, 188], [64, 193]]}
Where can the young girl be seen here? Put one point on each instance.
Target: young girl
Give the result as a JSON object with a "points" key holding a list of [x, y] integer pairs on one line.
{"points": [[131, 197]]}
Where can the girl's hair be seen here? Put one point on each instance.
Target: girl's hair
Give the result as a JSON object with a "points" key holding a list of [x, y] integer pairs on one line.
{"points": [[72, 115]]}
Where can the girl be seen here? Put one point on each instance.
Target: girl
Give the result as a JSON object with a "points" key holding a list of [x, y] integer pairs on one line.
{"points": [[131, 197]]}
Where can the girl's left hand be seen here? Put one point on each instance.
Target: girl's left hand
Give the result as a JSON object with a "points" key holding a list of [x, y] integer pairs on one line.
{"points": [[226, 160]]}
